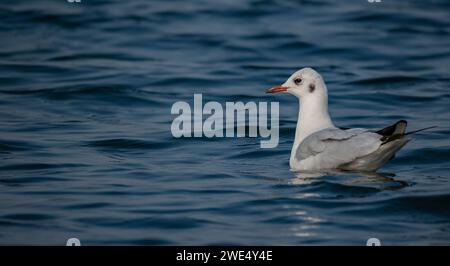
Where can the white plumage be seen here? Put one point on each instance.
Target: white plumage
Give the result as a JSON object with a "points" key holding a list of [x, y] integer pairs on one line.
{"points": [[320, 145]]}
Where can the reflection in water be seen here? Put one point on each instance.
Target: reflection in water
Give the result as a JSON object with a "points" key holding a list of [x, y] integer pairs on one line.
{"points": [[382, 181], [343, 185], [307, 226]]}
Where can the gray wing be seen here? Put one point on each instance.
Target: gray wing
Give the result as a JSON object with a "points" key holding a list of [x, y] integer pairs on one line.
{"points": [[332, 147]]}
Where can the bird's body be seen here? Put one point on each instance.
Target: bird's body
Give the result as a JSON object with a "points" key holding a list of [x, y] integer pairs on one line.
{"points": [[354, 149], [319, 144]]}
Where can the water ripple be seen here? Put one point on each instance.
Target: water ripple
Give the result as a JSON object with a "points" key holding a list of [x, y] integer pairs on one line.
{"points": [[86, 147]]}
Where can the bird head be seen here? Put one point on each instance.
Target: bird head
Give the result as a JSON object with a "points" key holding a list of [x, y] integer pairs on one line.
{"points": [[302, 83]]}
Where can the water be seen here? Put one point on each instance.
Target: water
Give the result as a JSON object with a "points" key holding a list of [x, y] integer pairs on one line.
{"points": [[85, 143]]}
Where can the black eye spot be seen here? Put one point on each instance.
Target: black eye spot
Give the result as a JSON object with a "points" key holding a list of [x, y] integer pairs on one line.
{"points": [[312, 87], [297, 81]]}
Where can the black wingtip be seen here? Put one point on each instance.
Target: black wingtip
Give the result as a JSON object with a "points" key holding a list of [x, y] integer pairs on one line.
{"points": [[398, 128], [395, 136], [402, 122]]}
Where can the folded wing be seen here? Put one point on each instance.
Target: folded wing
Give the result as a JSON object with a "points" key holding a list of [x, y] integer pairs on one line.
{"points": [[330, 148]]}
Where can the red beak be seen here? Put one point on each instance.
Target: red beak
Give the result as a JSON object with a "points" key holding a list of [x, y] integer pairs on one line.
{"points": [[276, 89]]}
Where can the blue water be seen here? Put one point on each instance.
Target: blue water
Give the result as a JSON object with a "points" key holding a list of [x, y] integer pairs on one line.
{"points": [[86, 149]]}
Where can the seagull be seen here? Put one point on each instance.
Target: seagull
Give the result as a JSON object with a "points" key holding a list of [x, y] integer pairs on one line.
{"points": [[320, 145]]}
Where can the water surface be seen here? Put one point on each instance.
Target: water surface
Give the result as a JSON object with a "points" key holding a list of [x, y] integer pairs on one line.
{"points": [[86, 149]]}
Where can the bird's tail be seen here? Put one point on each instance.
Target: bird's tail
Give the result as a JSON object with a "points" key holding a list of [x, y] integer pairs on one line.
{"points": [[419, 130], [397, 131]]}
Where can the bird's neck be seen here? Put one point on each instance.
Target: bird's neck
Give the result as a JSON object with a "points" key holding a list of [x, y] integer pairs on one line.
{"points": [[313, 116]]}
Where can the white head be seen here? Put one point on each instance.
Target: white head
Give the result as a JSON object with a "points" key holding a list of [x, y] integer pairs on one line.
{"points": [[308, 86], [305, 83]]}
